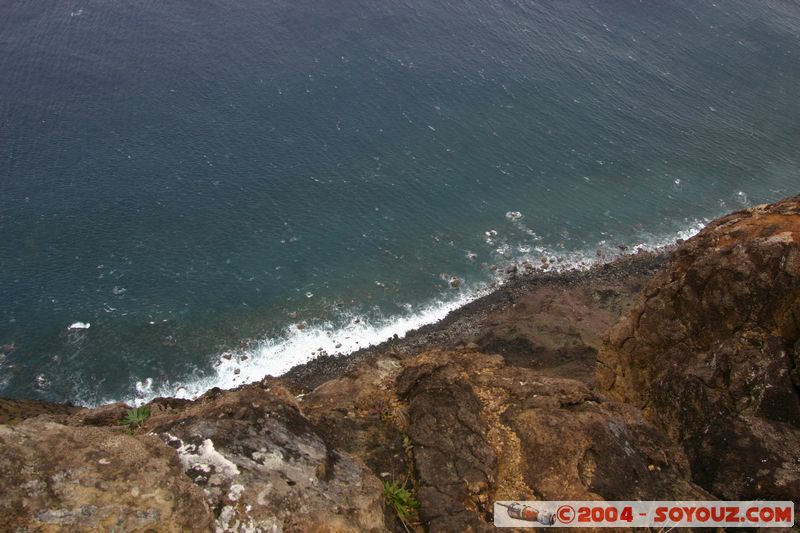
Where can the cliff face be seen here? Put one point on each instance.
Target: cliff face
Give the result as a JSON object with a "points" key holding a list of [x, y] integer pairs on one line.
{"points": [[710, 352], [695, 397]]}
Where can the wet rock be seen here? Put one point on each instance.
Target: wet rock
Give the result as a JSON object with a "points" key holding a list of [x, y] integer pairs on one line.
{"points": [[709, 352], [62, 478]]}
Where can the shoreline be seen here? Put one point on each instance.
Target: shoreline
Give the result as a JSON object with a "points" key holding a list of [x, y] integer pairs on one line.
{"points": [[582, 385], [623, 276]]}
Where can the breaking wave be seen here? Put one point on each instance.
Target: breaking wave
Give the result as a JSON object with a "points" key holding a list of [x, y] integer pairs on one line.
{"points": [[299, 344]]}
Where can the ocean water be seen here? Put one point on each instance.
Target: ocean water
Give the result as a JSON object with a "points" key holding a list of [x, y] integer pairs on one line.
{"points": [[221, 189]]}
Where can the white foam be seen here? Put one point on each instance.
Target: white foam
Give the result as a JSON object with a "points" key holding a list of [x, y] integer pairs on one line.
{"points": [[298, 345], [544, 259], [276, 356]]}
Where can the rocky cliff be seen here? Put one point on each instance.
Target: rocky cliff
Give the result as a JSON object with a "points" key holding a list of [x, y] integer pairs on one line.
{"points": [[558, 386], [710, 353]]}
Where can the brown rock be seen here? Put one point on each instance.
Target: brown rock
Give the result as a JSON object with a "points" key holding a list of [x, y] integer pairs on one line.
{"points": [[451, 451], [106, 415], [483, 430], [263, 466], [15, 411], [359, 414], [558, 329], [61, 478], [709, 351]]}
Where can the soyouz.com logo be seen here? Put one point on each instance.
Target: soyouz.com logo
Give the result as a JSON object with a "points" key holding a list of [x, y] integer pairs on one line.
{"points": [[667, 514]]}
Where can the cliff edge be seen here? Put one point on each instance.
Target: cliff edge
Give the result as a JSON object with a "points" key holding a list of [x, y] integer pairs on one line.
{"points": [[710, 353], [636, 380]]}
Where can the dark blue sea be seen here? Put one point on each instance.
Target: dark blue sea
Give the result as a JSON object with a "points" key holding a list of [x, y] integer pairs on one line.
{"points": [[195, 194]]}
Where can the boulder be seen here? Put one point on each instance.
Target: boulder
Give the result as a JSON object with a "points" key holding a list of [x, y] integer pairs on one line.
{"points": [[263, 466], [710, 352]]}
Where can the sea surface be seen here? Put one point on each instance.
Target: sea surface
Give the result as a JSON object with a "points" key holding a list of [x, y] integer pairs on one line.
{"points": [[195, 194]]}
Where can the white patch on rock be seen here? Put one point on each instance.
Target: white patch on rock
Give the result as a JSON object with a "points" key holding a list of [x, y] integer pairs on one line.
{"points": [[263, 495], [235, 492], [227, 515], [229, 521], [203, 457]]}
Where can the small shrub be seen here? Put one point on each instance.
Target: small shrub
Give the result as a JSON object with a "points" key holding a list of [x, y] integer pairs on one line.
{"points": [[400, 499], [135, 418]]}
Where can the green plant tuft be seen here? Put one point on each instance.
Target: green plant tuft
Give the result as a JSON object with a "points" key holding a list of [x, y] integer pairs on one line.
{"points": [[135, 418], [399, 498]]}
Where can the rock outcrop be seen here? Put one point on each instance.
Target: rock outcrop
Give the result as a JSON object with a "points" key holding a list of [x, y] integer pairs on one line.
{"points": [[55, 477], [244, 460], [15, 411], [479, 430], [263, 466], [693, 395], [710, 352], [553, 322]]}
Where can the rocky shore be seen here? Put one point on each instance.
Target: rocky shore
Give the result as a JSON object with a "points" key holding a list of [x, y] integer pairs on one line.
{"points": [[659, 376]]}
